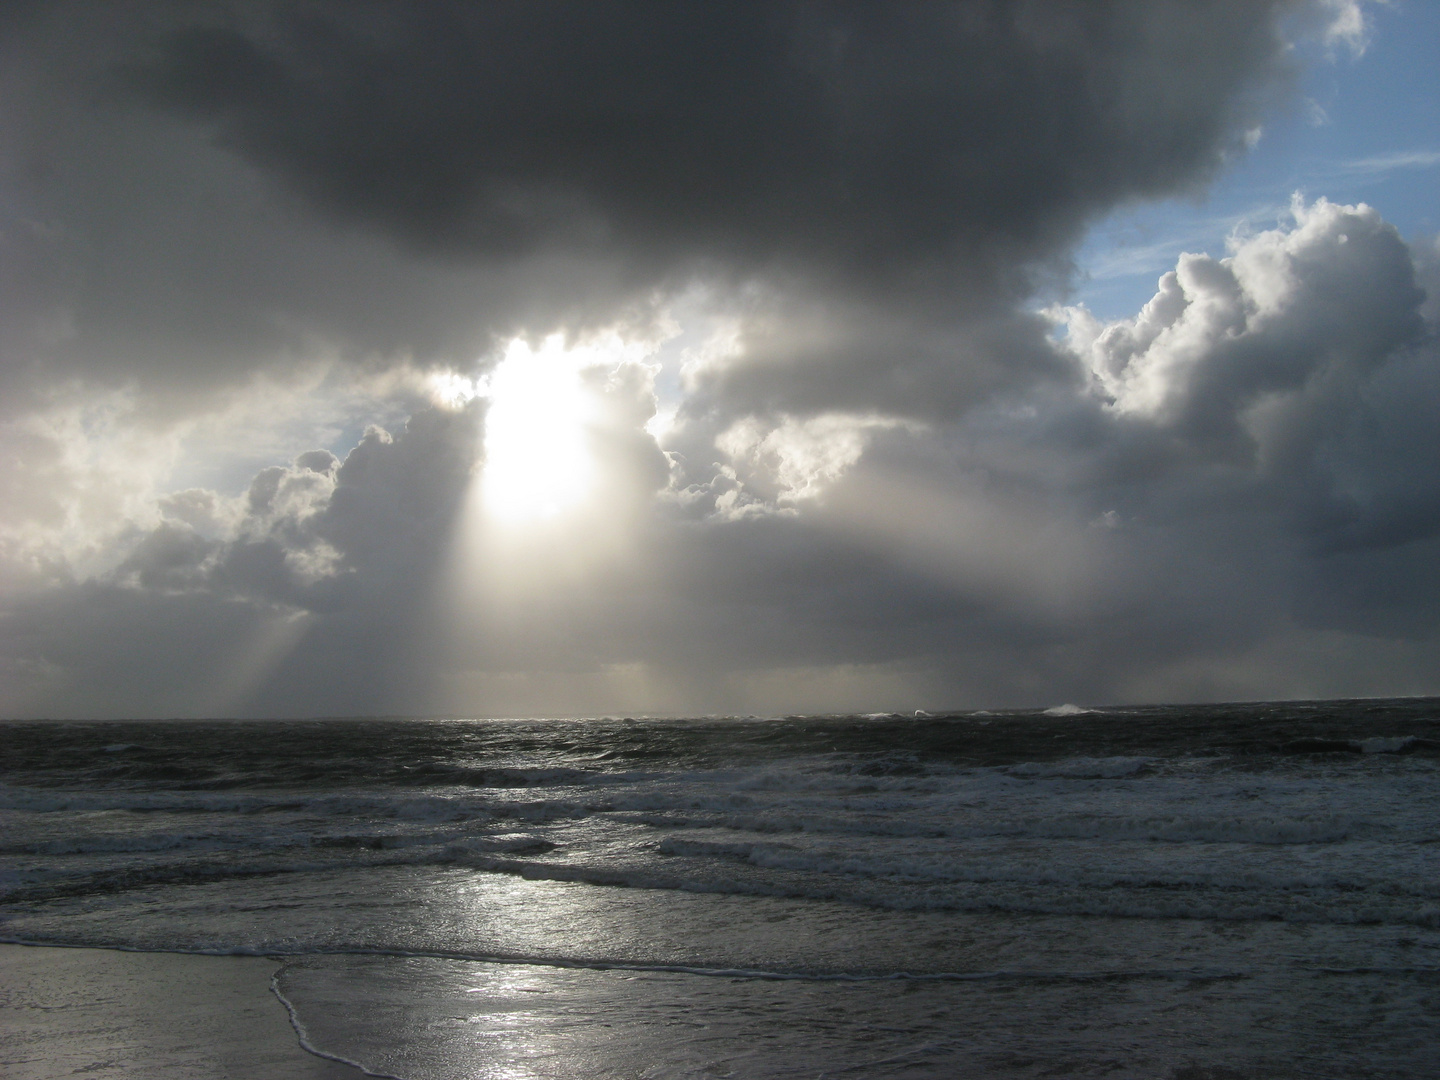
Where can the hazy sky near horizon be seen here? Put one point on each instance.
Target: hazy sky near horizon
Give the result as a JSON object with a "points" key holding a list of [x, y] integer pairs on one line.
{"points": [[595, 358]]}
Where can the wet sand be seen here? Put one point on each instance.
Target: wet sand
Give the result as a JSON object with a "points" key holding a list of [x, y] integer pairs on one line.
{"points": [[116, 1016]]}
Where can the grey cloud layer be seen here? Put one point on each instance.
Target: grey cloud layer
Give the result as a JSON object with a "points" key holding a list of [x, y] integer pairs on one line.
{"points": [[897, 476]]}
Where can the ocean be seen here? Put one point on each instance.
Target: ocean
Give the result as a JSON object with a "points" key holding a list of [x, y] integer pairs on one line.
{"points": [[1199, 893]]}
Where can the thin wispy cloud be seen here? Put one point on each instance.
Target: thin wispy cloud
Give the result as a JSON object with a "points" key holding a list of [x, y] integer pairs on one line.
{"points": [[1116, 256], [1401, 159]]}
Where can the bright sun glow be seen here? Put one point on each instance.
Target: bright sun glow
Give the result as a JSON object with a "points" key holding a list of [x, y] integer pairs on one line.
{"points": [[537, 460]]}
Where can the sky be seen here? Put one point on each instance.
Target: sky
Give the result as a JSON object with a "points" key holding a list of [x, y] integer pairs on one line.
{"points": [[593, 358]]}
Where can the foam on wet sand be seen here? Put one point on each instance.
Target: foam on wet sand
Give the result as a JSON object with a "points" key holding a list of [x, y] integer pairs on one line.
{"points": [[111, 1015]]}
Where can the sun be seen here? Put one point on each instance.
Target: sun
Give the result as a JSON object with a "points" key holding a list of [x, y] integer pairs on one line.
{"points": [[538, 462]]}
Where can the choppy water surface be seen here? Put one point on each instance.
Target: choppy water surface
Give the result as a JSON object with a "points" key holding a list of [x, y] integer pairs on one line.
{"points": [[1218, 891]]}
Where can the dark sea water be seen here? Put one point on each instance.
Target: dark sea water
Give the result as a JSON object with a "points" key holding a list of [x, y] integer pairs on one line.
{"points": [[1197, 893]]}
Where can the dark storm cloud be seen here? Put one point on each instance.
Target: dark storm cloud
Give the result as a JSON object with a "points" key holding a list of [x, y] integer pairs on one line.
{"points": [[888, 142], [134, 251], [902, 173], [859, 356], [197, 192]]}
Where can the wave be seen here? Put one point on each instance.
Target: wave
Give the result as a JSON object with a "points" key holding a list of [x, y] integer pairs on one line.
{"points": [[1084, 768], [1003, 890], [209, 842], [1399, 744], [1378, 744], [397, 805], [1041, 881], [1196, 973], [1120, 896], [1270, 832]]}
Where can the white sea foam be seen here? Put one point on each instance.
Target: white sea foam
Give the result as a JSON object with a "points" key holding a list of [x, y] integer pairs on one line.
{"points": [[1393, 745]]}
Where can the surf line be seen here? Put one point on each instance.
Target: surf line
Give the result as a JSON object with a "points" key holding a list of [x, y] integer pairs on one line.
{"points": [[296, 960], [304, 1036]]}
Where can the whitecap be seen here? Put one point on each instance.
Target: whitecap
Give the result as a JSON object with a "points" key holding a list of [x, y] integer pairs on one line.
{"points": [[1068, 709]]}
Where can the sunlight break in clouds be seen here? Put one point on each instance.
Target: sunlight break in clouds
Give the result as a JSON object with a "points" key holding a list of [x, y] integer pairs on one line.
{"points": [[538, 461]]}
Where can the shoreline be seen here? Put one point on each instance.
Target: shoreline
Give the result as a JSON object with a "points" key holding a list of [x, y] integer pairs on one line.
{"points": [[109, 1014]]}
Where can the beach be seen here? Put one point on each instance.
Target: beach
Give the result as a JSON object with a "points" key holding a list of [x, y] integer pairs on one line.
{"points": [[1140, 893], [113, 1015]]}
